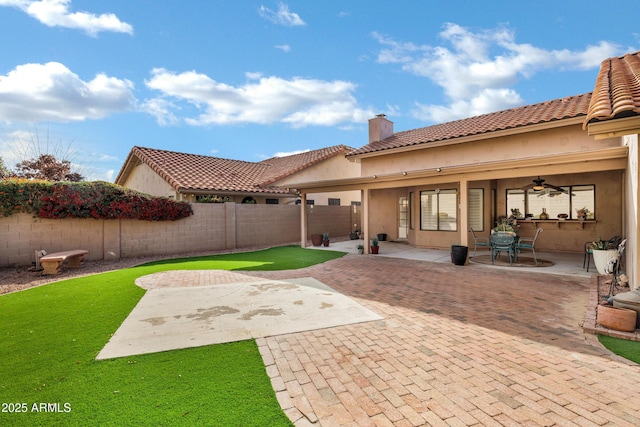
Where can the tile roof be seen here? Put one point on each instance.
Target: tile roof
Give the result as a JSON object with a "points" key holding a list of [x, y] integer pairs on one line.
{"points": [[195, 172], [281, 167], [544, 112], [617, 89]]}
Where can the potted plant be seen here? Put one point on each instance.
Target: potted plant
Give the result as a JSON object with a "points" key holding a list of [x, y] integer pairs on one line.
{"points": [[360, 249], [505, 225], [316, 239], [582, 213], [603, 252], [325, 238], [374, 246]]}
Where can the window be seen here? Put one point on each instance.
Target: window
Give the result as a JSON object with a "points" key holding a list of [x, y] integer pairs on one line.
{"points": [[439, 210], [356, 203], [476, 209], [334, 202], [554, 202], [311, 202], [272, 201]]}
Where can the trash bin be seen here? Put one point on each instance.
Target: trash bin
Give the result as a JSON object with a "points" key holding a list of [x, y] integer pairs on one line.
{"points": [[382, 237]]}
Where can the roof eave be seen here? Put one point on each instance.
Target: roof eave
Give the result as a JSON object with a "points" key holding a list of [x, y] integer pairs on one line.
{"points": [[614, 127], [476, 137]]}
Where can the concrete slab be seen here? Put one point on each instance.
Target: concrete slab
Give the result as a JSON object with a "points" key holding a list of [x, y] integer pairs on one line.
{"points": [[169, 318]]}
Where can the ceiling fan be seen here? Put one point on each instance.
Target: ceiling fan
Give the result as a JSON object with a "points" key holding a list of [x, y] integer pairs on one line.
{"points": [[539, 185]]}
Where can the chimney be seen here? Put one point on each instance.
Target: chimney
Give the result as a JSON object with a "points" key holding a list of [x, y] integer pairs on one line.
{"points": [[380, 128]]}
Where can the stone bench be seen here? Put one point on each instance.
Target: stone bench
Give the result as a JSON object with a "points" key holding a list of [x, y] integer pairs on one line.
{"points": [[52, 263]]}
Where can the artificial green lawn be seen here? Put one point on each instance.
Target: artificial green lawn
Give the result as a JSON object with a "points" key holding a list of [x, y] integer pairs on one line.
{"points": [[624, 348], [50, 336]]}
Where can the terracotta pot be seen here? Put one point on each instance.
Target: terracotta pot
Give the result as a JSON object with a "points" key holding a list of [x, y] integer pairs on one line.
{"points": [[316, 239], [325, 243], [620, 319], [374, 249]]}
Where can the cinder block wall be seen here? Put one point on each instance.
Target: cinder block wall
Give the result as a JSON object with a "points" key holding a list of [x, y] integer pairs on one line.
{"points": [[212, 227]]}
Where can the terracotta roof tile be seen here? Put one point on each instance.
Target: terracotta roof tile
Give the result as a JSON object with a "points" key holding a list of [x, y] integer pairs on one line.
{"points": [[557, 109], [195, 172], [281, 167], [185, 171], [617, 89]]}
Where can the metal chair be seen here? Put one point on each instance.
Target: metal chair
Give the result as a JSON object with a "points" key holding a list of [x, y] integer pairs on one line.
{"points": [[529, 243], [478, 241], [502, 243]]}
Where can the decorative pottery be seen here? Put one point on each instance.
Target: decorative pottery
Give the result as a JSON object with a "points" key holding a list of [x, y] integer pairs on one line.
{"points": [[620, 319], [316, 239], [630, 300], [601, 258], [459, 254], [544, 214]]}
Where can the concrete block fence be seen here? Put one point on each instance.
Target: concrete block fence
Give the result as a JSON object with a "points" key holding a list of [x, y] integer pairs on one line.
{"points": [[212, 227]]}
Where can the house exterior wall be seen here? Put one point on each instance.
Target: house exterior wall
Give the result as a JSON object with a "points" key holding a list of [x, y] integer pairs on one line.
{"points": [[540, 143], [632, 213], [214, 226], [143, 178], [503, 150], [333, 168]]}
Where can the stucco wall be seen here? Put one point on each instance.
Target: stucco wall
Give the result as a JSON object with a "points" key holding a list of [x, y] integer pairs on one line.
{"points": [[212, 227], [632, 217], [143, 178], [334, 168], [564, 140]]}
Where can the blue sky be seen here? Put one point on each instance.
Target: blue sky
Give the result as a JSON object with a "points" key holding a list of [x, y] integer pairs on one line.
{"points": [[249, 80]]}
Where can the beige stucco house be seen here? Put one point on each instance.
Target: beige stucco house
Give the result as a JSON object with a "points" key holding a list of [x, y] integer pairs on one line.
{"points": [[428, 186], [192, 177]]}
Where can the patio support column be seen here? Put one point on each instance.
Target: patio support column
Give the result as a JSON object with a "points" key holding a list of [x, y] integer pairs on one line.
{"points": [[303, 220], [364, 196], [464, 212]]}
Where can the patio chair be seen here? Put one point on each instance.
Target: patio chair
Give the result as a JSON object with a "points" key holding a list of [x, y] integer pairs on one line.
{"points": [[502, 243], [529, 243], [478, 241]]}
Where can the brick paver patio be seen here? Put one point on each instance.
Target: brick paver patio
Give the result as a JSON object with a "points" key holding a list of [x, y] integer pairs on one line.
{"points": [[458, 346]]}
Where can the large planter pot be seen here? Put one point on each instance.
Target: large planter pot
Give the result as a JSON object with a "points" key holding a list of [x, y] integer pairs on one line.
{"points": [[630, 300], [459, 254], [382, 237], [316, 239], [601, 258], [620, 319]]}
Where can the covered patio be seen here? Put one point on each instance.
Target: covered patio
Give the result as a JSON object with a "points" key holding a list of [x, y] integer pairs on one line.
{"points": [[568, 264]]}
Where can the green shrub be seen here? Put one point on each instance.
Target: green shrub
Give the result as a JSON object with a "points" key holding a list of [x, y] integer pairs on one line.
{"points": [[99, 200]]}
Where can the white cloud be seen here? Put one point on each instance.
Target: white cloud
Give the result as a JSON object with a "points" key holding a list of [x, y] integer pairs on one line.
{"points": [[290, 153], [477, 70], [284, 47], [264, 100], [56, 13], [40, 92], [282, 16]]}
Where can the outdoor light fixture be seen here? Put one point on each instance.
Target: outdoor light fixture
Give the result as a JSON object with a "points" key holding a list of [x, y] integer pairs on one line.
{"points": [[438, 170], [404, 173], [375, 176], [538, 184]]}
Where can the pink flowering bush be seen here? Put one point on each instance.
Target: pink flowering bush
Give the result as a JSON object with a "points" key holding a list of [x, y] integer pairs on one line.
{"points": [[99, 200]]}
